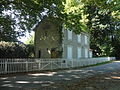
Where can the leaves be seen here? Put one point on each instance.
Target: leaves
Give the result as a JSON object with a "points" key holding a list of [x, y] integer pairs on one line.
{"points": [[98, 17], [15, 50]]}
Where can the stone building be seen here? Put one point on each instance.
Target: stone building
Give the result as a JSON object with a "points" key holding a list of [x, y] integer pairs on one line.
{"points": [[53, 41]]}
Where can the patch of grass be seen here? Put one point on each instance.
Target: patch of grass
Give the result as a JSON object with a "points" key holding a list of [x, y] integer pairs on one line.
{"points": [[106, 62], [72, 68]]}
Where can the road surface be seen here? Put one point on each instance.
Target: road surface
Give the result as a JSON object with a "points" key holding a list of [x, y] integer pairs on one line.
{"points": [[103, 77]]}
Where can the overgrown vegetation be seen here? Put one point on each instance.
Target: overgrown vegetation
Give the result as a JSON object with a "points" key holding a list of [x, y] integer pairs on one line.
{"points": [[104, 29], [15, 50], [100, 18]]}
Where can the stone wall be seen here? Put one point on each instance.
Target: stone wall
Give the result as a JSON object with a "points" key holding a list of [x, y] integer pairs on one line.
{"points": [[47, 38]]}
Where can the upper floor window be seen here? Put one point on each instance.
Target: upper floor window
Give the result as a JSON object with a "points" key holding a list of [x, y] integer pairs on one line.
{"points": [[79, 52], [86, 39], [69, 35], [79, 38]]}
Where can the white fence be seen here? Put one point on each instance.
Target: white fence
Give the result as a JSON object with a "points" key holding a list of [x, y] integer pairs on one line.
{"points": [[27, 65]]}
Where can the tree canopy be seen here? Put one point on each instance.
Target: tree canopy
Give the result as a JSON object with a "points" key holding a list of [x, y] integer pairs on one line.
{"points": [[22, 15], [98, 17]]}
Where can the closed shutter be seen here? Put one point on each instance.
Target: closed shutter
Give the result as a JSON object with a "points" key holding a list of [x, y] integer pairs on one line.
{"points": [[79, 38], [69, 35], [86, 53], [79, 52], [69, 52]]}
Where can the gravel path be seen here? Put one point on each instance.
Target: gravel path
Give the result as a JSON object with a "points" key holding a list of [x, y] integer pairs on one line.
{"points": [[103, 77]]}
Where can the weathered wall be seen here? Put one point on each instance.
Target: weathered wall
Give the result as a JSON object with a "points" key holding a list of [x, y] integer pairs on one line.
{"points": [[47, 36]]}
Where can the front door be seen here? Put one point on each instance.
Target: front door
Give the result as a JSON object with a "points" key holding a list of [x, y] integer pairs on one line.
{"points": [[54, 53]]}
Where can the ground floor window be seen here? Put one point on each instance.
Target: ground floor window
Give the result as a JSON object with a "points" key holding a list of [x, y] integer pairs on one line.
{"points": [[86, 53]]}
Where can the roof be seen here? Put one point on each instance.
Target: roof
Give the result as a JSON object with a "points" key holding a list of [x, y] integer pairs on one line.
{"points": [[46, 19]]}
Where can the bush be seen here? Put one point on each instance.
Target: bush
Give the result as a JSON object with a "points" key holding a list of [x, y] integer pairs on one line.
{"points": [[15, 50]]}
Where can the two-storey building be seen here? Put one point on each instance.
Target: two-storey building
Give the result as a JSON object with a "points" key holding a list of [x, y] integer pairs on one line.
{"points": [[53, 41]]}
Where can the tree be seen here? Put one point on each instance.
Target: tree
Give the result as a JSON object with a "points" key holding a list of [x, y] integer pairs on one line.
{"points": [[31, 46], [30, 40], [7, 32], [27, 13], [93, 16], [13, 50], [104, 29]]}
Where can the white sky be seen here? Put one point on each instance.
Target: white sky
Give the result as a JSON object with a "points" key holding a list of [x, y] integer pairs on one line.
{"points": [[25, 38]]}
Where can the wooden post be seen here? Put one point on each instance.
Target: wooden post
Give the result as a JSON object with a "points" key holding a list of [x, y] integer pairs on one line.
{"points": [[26, 66], [39, 64], [5, 66], [72, 63], [51, 65], [61, 62], [66, 63]]}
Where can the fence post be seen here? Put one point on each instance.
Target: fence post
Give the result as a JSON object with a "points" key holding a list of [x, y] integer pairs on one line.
{"points": [[72, 63], [5, 66], [66, 63], [61, 62], [51, 64], [26, 66], [39, 64]]}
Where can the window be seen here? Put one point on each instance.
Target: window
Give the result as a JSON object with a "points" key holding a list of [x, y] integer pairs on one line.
{"points": [[79, 38], [86, 39], [79, 52], [69, 52], [69, 35]]}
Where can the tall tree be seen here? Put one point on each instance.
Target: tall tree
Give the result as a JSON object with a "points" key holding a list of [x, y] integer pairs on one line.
{"points": [[26, 13], [7, 32], [104, 27]]}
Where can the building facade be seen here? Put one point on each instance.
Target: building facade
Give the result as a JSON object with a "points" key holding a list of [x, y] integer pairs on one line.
{"points": [[53, 41]]}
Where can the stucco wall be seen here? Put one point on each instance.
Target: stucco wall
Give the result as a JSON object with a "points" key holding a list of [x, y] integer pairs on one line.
{"points": [[75, 44]]}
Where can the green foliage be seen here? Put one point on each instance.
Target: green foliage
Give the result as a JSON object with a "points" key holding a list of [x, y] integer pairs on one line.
{"points": [[6, 29], [98, 17], [27, 13], [30, 40], [104, 28], [14, 50], [31, 50], [75, 17], [30, 44]]}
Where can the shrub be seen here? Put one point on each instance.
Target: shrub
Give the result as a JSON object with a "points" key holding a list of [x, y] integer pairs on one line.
{"points": [[15, 50]]}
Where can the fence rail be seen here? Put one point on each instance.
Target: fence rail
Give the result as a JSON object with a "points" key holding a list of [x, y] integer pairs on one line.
{"points": [[27, 65]]}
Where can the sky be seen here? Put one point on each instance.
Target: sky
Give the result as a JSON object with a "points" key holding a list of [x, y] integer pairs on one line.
{"points": [[25, 38], [22, 39]]}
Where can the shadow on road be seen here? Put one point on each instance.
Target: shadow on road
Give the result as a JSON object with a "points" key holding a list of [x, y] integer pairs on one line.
{"points": [[91, 78]]}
